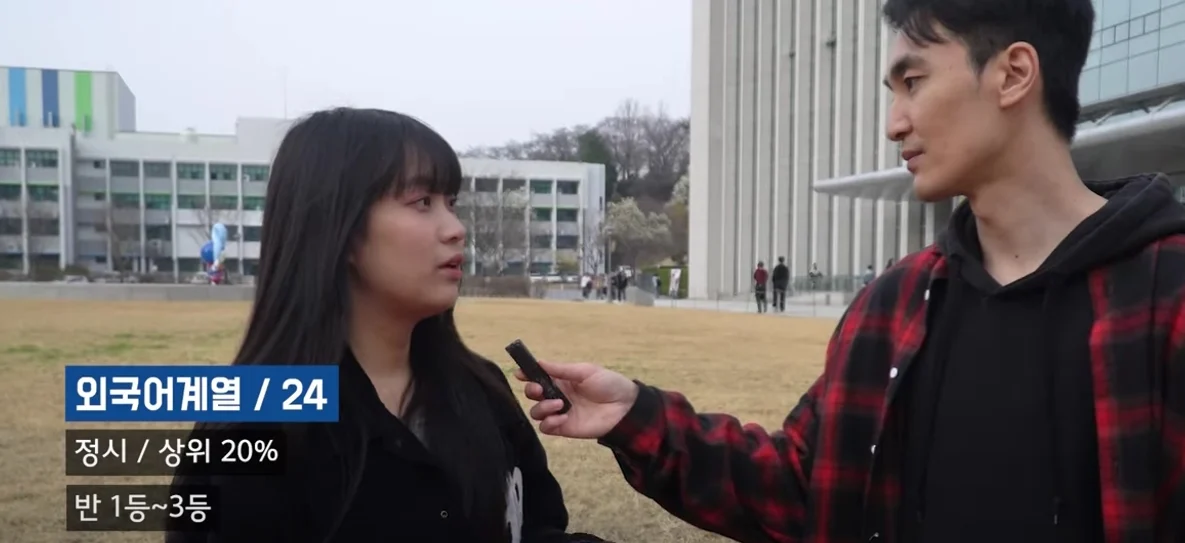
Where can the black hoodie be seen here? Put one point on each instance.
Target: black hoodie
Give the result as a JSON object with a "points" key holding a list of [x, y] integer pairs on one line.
{"points": [[1001, 436]]}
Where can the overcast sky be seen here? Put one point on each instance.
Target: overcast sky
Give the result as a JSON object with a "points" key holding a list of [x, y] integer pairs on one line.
{"points": [[480, 71]]}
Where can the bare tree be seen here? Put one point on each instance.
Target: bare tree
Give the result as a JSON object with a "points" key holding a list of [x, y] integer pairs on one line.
{"points": [[667, 152], [208, 217], [12, 211], [592, 244], [561, 144], [645, 151], [624, 132], [121, 225], [496, 223]]}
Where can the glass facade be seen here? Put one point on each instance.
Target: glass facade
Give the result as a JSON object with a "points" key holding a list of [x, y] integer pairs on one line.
{"points": [[1138, 45]]}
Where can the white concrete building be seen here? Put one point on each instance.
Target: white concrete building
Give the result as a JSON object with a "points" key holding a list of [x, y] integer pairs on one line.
{"points": [[788, 149], [78, 184]]}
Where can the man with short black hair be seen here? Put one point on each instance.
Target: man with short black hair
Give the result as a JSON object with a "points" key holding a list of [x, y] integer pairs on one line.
{"points": [[1021, 380], [781, 279]]}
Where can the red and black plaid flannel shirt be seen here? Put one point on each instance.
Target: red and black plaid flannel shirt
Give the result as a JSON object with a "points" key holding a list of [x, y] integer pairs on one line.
{"points": [[832, 473]]}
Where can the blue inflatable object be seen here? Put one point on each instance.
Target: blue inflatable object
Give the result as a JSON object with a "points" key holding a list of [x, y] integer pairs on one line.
{"points": [[208, 252], [218, 236]]}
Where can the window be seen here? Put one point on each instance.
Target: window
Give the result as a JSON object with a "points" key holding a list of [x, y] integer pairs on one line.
{"points": [[157, 169], [541, 214], [511, 185], [485, 184], [188, 170], [567, 214], [540, 186], [567, 242], [252, 233], [540, 268], [161, 232], [253, 203], [127, 232], [224, 202], [188, 265], [42, 193], [255, 172], [223, 172], [568, 187], [44, 227], [158, 201], [96, 196], [10, 226], [125, 200], [124, 168], [10, 192], [10, 157], [191, 201], [42, 159], [541, 241]]}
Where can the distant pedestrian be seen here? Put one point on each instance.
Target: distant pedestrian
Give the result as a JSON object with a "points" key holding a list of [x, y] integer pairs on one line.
{"points": [[781, 280], [760, 278]]}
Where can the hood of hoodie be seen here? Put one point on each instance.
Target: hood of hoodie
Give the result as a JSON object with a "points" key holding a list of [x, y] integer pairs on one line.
{"points": [[1139, 210]]}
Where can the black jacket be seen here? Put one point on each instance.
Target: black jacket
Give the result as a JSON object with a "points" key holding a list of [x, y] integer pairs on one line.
{"points": [[781, 276], [402, 496]]}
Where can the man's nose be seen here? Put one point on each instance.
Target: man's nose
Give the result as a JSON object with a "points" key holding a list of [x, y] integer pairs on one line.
{"points": [[898, 126]]}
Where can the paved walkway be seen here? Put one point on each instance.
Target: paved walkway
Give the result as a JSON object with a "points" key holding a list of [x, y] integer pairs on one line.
{"points": [[737, 306], [799, 306]]}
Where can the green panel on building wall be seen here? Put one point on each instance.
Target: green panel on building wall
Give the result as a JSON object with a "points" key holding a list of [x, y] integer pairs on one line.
{"points": [[83, 114]]}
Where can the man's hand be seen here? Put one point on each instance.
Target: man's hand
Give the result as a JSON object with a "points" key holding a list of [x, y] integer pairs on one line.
{"points": [[600, 399]]}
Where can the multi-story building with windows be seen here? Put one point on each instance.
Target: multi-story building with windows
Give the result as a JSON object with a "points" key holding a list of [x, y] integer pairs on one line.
{"points": [[79, 185], [788, 149]]}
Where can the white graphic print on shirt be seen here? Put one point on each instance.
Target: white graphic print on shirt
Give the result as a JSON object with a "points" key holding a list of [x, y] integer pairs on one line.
{"points": [[514, 505]]}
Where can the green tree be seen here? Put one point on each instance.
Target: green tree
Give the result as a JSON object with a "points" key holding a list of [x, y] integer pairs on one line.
{"points": [[591, 148]]}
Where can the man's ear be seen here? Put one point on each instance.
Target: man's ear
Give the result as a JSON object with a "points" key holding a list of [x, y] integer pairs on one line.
{"points": [[1016, 73]]}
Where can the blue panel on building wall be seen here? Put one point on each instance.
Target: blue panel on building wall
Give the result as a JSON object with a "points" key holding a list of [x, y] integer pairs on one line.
{"points": [[49, 99], [18, 108]]}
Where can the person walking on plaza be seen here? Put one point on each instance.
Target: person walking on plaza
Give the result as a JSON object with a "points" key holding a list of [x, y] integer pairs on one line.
{"points": [[781, 280], [760, 280], [1020, 380]]}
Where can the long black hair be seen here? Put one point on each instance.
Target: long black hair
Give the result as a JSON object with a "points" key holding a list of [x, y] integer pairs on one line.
{"points": [[329, 169]]}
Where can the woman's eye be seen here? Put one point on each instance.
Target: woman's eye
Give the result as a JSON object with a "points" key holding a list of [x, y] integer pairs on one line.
{"points": [[423, 203], [452, 202]]}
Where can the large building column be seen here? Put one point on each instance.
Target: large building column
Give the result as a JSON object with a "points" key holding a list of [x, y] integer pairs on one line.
{"points": [[786, 94], [706, 144]]}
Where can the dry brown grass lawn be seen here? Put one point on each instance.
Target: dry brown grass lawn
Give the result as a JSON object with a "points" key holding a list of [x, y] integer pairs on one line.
{"points": [[752, 366]]}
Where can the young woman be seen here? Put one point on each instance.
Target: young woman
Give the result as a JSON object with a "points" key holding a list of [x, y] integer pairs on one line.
{"points": [[360, 265]]}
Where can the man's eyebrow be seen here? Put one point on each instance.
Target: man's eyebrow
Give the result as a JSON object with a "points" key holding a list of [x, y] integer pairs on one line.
{"points": [[902, 65]]}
